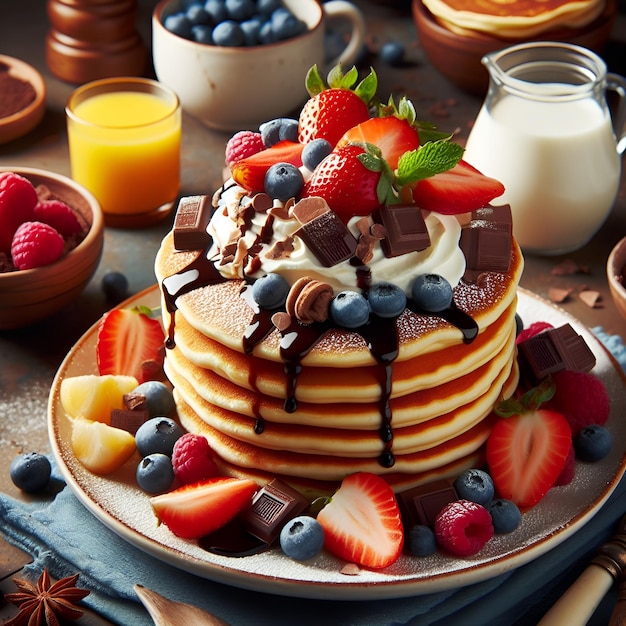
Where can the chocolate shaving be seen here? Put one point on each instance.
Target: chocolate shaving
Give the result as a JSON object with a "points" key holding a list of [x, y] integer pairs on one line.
{"points": [[559, 295], [591, 298], [569, 267]]}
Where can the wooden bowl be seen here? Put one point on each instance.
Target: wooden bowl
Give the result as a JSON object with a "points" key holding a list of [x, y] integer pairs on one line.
{"points": [[458, 57], [28, 296], [616, 275], [23, 121]]}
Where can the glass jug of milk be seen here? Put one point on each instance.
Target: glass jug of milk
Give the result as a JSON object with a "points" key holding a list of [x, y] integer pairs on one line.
{"points": [[545, 131]]}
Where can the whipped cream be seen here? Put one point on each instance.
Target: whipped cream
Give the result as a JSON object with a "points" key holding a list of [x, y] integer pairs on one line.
{"points": [[230, 231]]}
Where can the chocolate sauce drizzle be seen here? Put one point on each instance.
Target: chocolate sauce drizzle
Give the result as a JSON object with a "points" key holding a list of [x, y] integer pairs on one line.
{"points": [[380, 335]]}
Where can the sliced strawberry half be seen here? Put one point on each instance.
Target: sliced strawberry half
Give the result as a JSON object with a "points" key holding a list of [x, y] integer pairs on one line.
{"points": [[250, 172], [130, 343], [527, 450], [362, 522], [393, 136], [458, 190], [201, 508]]}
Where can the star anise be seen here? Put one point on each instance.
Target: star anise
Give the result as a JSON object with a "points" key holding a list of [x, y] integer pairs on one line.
{"points": [[44, 604]]}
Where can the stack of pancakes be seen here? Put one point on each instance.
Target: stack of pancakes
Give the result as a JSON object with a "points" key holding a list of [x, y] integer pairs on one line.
{"points": [[514, 19], [421, 415]]}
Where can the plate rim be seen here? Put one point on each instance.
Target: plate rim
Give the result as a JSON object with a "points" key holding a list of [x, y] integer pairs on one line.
{"points": [[353, 589]]}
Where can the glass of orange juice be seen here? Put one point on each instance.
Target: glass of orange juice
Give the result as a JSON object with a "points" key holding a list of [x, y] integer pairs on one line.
{"points": [[124, 141]]}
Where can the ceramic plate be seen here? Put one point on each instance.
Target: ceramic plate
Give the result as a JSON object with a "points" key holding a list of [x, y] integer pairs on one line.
{"points": [[125, 509]]}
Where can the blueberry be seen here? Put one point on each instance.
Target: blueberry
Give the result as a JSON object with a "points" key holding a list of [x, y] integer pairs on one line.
{"points": [[315, 152], [431, 292], [266, 7], [115, 286], [475, 485], [592, 443], [283, 181], [349, 309], [196, 14], [302, 538], [270, 291], [392, 53], [505, 516], [228, 34], [240, 9], [178, 24], [251, 31], [30, 472], [217, 10], [386, 299], [159, 397], [266, 34], [155, 473], [158, 434], [422, 540], [201, 33], [286, 25], [279, 129]]}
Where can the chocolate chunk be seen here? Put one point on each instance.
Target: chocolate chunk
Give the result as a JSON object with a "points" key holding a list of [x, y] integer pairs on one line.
{"points": [[328, 238], [272, 507], [192, 218], [129, 420], [486, 240], [421, 504], [554, 350], [405, 229]]}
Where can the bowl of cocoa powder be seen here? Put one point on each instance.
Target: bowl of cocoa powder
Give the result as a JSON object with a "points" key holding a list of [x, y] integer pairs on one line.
{"points": [[22, 98], [51, 241]]}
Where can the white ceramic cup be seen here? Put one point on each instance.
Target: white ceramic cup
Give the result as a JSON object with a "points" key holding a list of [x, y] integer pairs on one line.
{"points": [[236, 88]]}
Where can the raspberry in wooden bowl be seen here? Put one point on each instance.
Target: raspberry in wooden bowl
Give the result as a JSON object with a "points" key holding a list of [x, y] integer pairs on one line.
{"points": [[51, 239]]}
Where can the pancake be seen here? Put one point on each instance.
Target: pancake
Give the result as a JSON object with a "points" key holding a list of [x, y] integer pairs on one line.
{"points": [[514, 19]]}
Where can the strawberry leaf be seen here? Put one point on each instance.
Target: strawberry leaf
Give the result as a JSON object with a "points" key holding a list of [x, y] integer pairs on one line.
{"points": [[530, 401], [430, 159], [314, 82], [366, 89]]}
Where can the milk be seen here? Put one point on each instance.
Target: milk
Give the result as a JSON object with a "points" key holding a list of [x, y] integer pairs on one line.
{"points": [[558, 162]]}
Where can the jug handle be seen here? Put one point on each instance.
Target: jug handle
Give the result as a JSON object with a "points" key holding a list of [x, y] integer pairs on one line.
{"points": [[617, 84]]}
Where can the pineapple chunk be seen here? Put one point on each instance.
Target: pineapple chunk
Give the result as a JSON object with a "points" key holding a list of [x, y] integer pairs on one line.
{"points": [[93, 397], [101, 448]]}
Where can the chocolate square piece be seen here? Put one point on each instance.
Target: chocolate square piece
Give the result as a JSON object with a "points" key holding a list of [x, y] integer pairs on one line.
{"points": [[486, 240], [129, 420], [405, 229], [328, 238], [192, 218], [554, 350], [422, 504], [272, 507]]}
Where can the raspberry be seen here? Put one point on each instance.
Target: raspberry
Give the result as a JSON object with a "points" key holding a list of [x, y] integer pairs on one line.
{"points": [[17, 201], [534, 329], [35, 244], [463, 527], [582, 398], [57, 214], [192, 460], [243, 144]]}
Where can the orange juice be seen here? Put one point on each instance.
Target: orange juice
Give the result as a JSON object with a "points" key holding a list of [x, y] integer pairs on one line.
{"points": [[125, 148]]}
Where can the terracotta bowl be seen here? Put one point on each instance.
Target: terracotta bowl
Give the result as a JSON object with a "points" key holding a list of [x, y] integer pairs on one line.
{"points": [[28, 296], [22, 122], [458, 57], [616, 275]]}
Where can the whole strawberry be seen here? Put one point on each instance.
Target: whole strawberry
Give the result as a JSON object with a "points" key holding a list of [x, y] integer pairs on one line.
{"points": [[348, 179], [35, 244], [333, 110], [17, 202], [192, 459]]}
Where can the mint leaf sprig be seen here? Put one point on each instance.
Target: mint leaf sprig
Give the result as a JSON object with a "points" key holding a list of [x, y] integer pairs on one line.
{"points": [[431, 158]]}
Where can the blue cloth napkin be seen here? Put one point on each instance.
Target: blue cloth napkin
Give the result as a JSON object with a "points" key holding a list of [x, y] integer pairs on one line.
{"points": [[63, 536]]}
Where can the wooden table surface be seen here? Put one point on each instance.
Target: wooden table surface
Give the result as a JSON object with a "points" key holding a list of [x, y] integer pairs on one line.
{"points": [[29, 357]]}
